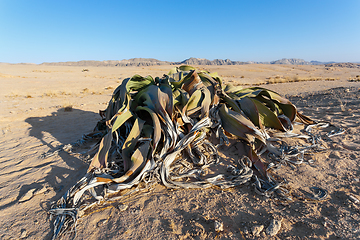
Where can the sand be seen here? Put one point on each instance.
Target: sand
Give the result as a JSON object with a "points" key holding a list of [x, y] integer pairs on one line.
{"points": [[33, 100]]}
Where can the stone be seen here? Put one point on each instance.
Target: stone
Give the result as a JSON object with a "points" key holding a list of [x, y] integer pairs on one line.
{"points": [[219, 226], [40, 191], [256, 230], [23, 233], [101, 222], [122, 207], [27, 195], [354, 199], [274, 227]]}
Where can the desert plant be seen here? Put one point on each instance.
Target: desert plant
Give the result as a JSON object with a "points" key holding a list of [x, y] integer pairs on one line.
{"points": [[159, 130], [355, 79], [68, 108]]}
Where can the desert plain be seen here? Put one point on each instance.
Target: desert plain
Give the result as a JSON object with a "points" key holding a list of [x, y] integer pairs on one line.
{"points": [[44, 107]]}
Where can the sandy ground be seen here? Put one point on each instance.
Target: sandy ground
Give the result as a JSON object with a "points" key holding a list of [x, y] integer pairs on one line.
{"points": [[33, 121]]}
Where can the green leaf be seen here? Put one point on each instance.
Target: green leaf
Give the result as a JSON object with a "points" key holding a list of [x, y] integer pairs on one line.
{"points": [[250, 110], [186, 68], [138, 160], [100, 158], [273, 100], [230, 102], [267, 117], [231, 89], [194, 103], [147, 131], [173, 71], [130, 142], [119, 100], [206, 102], [180, 97], [156, 125], [137, 83], [239, 125], [217, 78], [166, 89], [121, 118]]}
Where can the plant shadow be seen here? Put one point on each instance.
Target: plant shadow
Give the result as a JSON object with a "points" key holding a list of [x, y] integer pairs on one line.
{"points": [[60, 170], [66, 127]]}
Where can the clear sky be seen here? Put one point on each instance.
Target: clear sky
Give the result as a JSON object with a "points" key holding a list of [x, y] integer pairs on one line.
{"points": [[51, 31]]}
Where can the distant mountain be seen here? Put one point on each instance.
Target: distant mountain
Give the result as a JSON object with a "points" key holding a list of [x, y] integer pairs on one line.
{"points": [[347, 65], [320, 63], [288, 61], [203, 61], [291, 61], [138, 62], [253, 62], [297, 61]]}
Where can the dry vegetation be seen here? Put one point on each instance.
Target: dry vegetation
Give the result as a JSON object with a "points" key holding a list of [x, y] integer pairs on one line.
{"points": [[296, 78], [355, 79]]}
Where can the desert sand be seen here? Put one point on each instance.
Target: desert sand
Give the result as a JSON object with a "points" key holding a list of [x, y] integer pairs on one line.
{"points": [[45, 107]]}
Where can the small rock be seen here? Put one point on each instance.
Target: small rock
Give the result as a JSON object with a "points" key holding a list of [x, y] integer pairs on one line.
{"points": [[256, 230], [219, 226], [28, 195], [122, 207], [40, 191], [274, 227], [80, 213], [101, 222], [23, 233], [354, 199]]}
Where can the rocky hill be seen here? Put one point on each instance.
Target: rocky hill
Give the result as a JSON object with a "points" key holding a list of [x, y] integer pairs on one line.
{"points": [[138, 62], [203, 61], [344, 65], [291, 61]]}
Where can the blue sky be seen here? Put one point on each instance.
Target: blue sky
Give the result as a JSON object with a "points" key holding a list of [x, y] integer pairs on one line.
{"points": [[52, 31]]}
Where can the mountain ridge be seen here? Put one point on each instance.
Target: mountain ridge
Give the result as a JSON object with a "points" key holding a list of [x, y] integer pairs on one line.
{"points": [[139, 62]]}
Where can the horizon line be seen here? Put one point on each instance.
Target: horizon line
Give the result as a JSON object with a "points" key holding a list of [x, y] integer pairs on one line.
{"points": [[172, 62]]}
